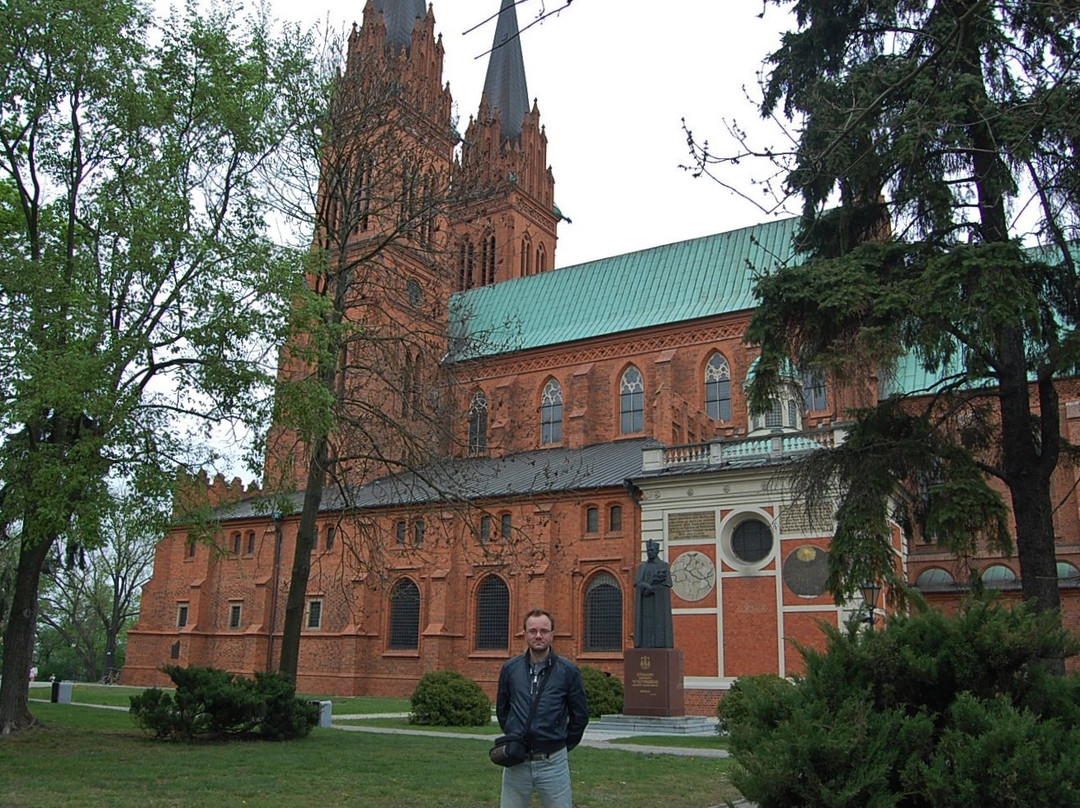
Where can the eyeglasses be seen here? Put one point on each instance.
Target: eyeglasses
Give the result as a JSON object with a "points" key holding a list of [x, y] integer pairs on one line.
{"points": [[537, 632]]}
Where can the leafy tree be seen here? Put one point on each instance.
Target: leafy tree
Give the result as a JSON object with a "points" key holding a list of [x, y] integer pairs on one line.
{"points": [[936, 140], [135, 284], [91, 597]]}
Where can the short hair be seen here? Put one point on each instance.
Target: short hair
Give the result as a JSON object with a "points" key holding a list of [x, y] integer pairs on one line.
{"points": [[539, 613]]}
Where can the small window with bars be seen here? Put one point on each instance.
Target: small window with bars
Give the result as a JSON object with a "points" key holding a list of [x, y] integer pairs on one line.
{"points": [[615, 518], [314, 614], [592, 520]]}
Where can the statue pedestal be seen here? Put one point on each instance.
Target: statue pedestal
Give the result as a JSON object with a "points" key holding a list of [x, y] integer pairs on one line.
{"points": [[653, 682]]}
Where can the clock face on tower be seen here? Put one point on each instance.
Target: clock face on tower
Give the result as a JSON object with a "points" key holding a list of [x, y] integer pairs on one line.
{"points": [[693, 575]]}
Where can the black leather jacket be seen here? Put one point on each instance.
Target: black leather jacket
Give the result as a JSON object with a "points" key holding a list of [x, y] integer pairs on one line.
{"points": [[563, 711]]}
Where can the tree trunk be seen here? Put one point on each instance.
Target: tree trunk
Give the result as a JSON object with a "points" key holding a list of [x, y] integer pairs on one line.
{"points": [[1029, 460], [289, 663], [19, 638]]}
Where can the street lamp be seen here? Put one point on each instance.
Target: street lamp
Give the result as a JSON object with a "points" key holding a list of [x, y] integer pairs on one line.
{"points": [[870, 589]]}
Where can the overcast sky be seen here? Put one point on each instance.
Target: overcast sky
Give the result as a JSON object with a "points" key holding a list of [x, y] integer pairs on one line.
{"points": [[613, 80]]}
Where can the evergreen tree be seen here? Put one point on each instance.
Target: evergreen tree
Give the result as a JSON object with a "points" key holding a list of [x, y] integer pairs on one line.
{"points": [[938, 143]]}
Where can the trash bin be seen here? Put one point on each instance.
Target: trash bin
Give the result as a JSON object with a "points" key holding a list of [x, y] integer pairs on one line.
{"points": [[325, 712], [61, 692]]}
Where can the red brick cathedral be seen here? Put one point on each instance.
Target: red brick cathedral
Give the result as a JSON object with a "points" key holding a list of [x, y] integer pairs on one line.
{"points": [[512, 434]]}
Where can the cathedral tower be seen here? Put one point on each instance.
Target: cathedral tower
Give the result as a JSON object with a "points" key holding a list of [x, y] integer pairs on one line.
{"points": [[371, 331], [506, 222]]}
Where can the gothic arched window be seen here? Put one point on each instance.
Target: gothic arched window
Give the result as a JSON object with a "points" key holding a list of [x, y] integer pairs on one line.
{"points": [[478, 417], [487, 259], [551, 406], [404, 616], [526, 256], [718, 388], [603, 613], [466, 259], [631, 401], [492, 615]]}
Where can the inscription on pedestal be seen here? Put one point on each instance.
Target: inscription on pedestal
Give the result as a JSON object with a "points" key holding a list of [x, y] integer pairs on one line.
{"points": [[653, 682]]}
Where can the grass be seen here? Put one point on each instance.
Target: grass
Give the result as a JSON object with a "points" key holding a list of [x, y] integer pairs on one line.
{"points": [[85, 756], [682, 741], [119, 696]]}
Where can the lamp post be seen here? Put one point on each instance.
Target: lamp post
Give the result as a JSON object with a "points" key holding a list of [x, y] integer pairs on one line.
{"points": [[870, 589]]}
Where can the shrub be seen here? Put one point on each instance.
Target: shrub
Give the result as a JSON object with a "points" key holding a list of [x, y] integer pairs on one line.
{"points": [[604, 691], [213, 704], [751, 694], [933, 710], [448, 699]]}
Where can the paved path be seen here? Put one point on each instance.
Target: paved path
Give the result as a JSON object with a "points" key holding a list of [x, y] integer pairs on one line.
{"points": [[593, 738]]}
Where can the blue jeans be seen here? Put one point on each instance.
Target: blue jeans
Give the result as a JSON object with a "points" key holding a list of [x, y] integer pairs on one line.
{"points": [[550, 778]]}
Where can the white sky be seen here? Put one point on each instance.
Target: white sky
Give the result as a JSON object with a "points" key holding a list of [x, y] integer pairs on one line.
{"points": [[613, 81]]}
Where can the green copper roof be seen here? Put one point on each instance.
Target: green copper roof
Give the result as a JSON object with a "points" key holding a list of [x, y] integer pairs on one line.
{"points": [[678, 282]]}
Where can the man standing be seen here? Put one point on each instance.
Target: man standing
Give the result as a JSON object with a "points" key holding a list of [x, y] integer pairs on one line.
{"points": [[562, 712]]}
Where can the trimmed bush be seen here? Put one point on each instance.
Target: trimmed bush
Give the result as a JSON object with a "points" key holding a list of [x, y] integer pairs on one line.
{"points": [[604, 691], [448, 699], [931, 711], [750, 694], [212, 704]]}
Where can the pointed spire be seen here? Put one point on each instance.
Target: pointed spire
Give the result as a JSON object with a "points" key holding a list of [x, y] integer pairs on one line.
{"points": [[504, 87], [400, 16]]}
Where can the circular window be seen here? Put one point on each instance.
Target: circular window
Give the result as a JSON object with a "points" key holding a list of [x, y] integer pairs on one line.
{"points": [[752, 541]]}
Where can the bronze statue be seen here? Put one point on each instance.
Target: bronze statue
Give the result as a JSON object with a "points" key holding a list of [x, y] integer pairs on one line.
{"points": [[652, 613]]}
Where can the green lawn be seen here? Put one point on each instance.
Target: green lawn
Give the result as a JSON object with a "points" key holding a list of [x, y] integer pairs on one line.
{"points": [[86, 756], [119, 696]]}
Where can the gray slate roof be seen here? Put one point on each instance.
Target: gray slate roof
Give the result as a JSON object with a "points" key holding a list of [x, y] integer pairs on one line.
{"points": [[400, 16], [504, 86], [534, 473]]}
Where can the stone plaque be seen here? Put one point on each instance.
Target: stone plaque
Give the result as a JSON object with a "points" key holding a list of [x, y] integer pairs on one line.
{"points": [[800, 519], [692, 526], [693, 575]]}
